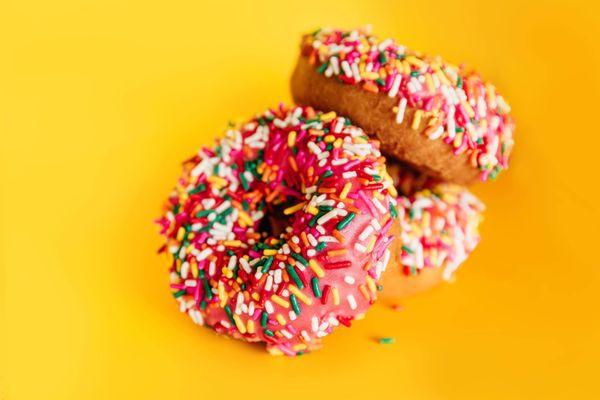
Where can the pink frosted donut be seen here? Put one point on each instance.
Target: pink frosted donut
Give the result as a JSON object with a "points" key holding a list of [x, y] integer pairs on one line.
{"points": [[289, 291], [438, 224]]}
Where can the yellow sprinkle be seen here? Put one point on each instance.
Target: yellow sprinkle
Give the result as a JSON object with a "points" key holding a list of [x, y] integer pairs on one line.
{"points": [[250, 326], [417, 119], [291, 141], [256, 296], [180, 234], [469, 109], [194, 268], [312, 210], [217, 180], [442, 77], [329, 139], [429, 83], [245, 217], [338, 143], [227, 272], [336, 296], [299, 347], [274, 351], [371, 244], [364, 292], [328, 117], [269, 252], [294, 208], [278, 300], [345, 190], [280, 319], [414, 61], [232, 243], [240, 325], [222, 294], [371, 284], [301, 296], [316, 268]]}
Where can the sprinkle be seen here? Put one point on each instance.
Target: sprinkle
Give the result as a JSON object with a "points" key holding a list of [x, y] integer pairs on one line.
{"points": [[336, 296], [314, 282], [387, 340], [293, 209], [295, 305], [352, 302], [314, 265], [278, 300], [346, 221], [338, 265], [301, 296]]}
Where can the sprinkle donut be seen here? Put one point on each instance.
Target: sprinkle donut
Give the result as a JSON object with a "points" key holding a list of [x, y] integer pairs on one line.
{"points": [[229, 273], [441, 119], [439, 225]]}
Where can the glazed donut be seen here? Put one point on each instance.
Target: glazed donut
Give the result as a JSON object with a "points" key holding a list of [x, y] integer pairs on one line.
{"points": [[438, 229], [439, 118], [289, 290]]}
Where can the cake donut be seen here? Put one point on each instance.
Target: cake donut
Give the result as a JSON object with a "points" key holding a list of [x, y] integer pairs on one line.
{"points": [[289, 290], [442, 119], [438, 229]]}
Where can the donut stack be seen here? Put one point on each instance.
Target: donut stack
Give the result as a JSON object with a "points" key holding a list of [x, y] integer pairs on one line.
{"points": [[295, 220]]}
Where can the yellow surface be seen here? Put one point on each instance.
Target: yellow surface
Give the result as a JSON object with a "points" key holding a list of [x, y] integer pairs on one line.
{"points": [[100, 102]]}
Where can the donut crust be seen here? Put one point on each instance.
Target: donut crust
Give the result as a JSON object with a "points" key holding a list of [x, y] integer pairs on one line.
{"points": [[373, 112]]}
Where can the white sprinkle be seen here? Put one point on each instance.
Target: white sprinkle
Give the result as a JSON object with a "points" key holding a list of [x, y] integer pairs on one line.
{"points": [[365, 233], [349, 174], [185, 268], [395, 86], [314, 323], [352, 302], [359, 247], [349, 280], [379, 206], [401, 110], [269, 307]]}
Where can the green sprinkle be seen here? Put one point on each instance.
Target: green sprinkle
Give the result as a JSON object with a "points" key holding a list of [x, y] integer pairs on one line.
{"points": [[179, 293], [382, 57], [415, 73], [344, 223], [387, 340], [229, 313], [198, 189], [264, 318], [244, 181], [459, 82], [407, 249], [292, 273], [203, 213], [377, 178], [176, 209], [393, 211], [267, 264], [295, 305], [298, 257], [322, 68], [314, 283], [268, 332], [321, 246], [380, 82], [325, 208]]}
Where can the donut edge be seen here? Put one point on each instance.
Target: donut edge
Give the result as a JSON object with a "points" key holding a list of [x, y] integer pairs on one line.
{"points": [[373, 112]]}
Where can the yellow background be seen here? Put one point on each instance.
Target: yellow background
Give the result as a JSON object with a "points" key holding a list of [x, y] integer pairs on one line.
{"points": [[99, 103]]}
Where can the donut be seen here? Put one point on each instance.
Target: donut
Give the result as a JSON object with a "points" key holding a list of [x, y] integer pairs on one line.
{"points": [[230, 273], [441, 119], [438, 229]]}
